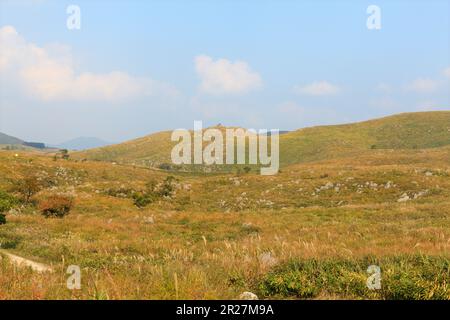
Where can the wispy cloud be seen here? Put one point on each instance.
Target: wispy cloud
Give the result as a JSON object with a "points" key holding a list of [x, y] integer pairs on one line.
{"points": [[422, 85], [447, 72], [225, 77], [318, 88]]}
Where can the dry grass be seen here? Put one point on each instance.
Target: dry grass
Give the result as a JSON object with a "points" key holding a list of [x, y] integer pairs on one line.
{"points": [[220, 235]]}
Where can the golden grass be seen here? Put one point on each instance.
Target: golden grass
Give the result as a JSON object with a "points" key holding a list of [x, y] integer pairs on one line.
{"points": [[221, 234]]}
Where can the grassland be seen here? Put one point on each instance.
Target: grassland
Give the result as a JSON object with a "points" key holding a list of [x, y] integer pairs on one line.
{"points": [[309, 232], [420, 130]]}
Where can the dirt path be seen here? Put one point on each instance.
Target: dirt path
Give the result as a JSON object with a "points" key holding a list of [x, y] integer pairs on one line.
{"points": [[22, 262]]}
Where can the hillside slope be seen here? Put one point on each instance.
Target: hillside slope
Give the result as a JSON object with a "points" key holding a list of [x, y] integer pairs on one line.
{"points": [[5, 139], [420, 130]]}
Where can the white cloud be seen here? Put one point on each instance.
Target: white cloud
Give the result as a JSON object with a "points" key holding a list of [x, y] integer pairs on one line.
{"points": [[318, 88], [422, 85], [48, 73], [225, 77], [447, 72]]}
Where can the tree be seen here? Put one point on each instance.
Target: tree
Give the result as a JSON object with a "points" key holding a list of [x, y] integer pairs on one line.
{"points": [[27, 187]]}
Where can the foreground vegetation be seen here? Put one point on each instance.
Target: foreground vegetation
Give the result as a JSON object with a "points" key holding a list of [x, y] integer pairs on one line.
{"points": [[414, 277], [309, 232]]}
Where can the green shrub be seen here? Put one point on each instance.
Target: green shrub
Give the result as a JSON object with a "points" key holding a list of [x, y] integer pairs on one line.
{"points": [[165, 166], [153, 191], [2, 219], [10, 243], [7, 201], [142, 200], [167, 188]]}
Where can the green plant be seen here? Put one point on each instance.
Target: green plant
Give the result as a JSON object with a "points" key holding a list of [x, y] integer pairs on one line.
{"points": [[7, 201], [165, 166], [142, 200], [2, 219], [64, 154], [403, 277], [167, 188]]}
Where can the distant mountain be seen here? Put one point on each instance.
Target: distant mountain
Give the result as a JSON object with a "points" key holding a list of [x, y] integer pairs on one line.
{"points": [[5, 139], [83, 143], [13, 143]]}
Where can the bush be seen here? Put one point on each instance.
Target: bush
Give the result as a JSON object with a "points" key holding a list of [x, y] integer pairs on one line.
{"points": [[56, 206], [7, 201], [2, 219], [167, 188], [154, 191], [28, 187], [141, 200], [165, 166]]}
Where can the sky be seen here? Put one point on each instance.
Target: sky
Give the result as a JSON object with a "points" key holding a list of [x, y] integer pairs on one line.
{"points": [[137, 67]]}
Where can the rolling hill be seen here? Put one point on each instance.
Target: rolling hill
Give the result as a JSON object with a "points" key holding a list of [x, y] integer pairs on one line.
{"points": [[421, 130]]}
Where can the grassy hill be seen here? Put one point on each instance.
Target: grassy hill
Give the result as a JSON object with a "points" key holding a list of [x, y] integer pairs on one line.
{"points": [[420, 130], [309, 232]]}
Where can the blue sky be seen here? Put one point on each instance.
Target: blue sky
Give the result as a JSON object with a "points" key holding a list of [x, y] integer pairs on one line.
{"points": [[137, 67]]}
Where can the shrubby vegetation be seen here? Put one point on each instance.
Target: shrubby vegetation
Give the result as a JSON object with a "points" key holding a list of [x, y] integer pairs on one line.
{"points": [[303, 233], [56, 206], [402, 277], [155, 191], [7, 202], [152, 192], [27, 187]]}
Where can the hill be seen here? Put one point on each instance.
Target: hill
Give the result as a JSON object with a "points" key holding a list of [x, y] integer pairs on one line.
{"points": [[83, 143], [6, 139], [421, 130], [220, 235]]}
